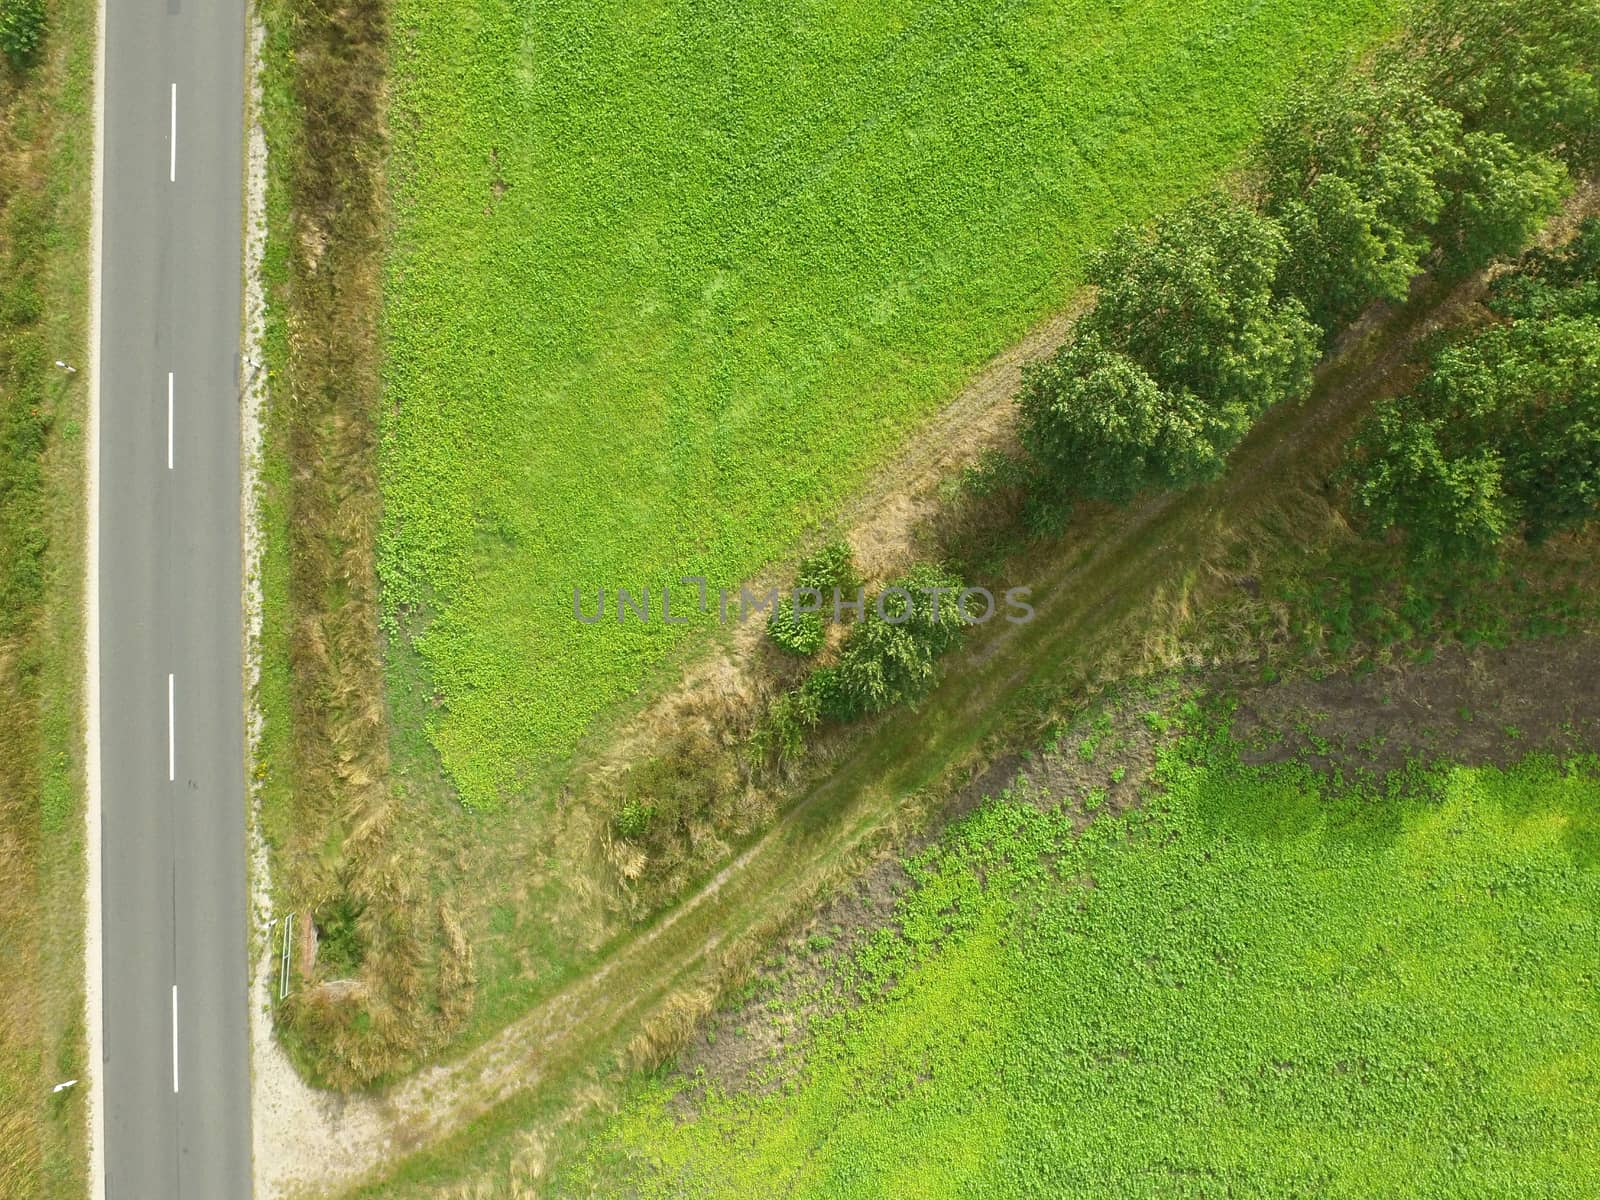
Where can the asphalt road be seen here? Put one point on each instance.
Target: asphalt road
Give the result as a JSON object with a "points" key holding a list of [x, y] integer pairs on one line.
{"points": [[176, 1070]]}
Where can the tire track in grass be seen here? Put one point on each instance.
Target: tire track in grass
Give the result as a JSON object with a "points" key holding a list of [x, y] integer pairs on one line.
{"points": [[1098, 600]]}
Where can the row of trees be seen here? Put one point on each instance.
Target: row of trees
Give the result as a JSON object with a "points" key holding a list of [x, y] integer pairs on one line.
{"points": [[1446, 152], [1501, 439]]}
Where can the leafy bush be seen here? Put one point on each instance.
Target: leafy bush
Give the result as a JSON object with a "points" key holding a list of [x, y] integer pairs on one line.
{"points": [[833, 566], [1499, 195], [798, 633], [633, 818], [21, 29], [888, 659], [803, 633]]}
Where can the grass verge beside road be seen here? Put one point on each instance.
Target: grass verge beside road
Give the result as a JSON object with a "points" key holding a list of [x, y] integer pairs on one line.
{"points": [[46, 159]]}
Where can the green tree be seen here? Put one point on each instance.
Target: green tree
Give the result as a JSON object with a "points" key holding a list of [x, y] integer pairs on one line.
{"points": [[1502, 436], [1092, 419], [1351, 170], [1499, 196], [1191, 302], [1185, 347], [1526, 69]]}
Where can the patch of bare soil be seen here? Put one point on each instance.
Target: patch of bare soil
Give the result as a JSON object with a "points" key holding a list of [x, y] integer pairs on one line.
{"points": [[1473, 706], [746, 1043]]}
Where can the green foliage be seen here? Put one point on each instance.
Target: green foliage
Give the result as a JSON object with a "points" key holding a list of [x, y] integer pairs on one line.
{"points": [[1096, 424], [633, 818], [831, 569], [1350, 168], [782, 733], [21, 29], [1547, 283], [1375, 171], [658, 300], [1262, 984], [1191, 302], [340, 945], [1503, 435], [1185, 347], [796, 632], [1525, 69], [1498, 197], [890, 654]]}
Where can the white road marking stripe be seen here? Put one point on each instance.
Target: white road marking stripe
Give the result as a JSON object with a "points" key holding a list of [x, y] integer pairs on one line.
{"points": [[172, 140], [174, 1037], [172, 741], [169, 420]]}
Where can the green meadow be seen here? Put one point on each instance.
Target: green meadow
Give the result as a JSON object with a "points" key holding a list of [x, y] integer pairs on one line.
{"points": [[667, 282], [1263, 983]]}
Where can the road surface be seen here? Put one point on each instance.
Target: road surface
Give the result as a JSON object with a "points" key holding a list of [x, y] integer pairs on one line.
{"points": [[176, 1070]]}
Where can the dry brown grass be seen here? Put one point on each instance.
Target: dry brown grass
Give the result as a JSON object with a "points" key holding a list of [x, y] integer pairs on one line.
{"points": [[45, 171], [414, 979]]}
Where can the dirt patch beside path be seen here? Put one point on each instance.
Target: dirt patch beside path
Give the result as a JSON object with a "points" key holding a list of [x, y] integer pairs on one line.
{"points": [[1475, 707], [1482, 706]]}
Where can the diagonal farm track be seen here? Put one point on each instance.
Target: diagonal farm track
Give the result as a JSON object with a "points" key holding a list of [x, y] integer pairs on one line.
{"points": [[1106, 593]]}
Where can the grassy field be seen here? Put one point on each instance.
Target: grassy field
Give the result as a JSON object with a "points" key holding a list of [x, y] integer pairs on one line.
{"points": [[1262, 983], [666, 284], [45, 158]]}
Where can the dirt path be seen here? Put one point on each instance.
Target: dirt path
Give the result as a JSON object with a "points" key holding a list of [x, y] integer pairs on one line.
{"points": [[1107, 594]]}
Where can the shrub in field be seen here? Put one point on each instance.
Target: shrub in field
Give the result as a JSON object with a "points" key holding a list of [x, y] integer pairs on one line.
{"points": [[803, 633], [794, 632], [1186, 346], [889, 657], [21, 29], [1503, 436]]}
